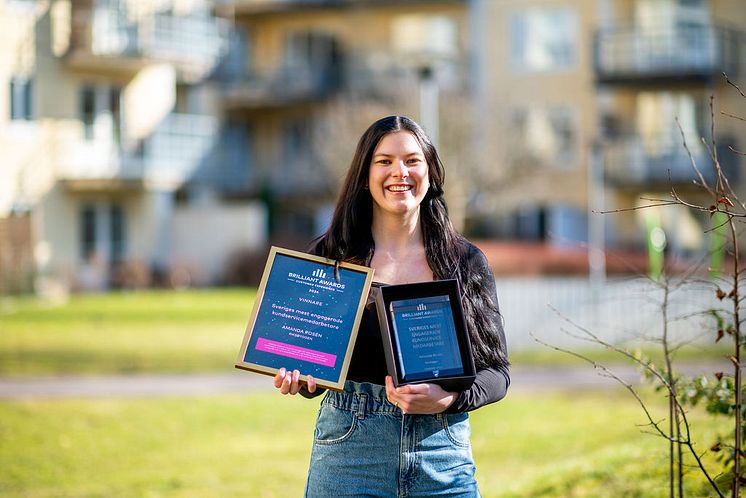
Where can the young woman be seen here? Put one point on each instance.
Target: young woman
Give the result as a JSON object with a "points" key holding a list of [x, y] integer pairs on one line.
{"points": [[412, 441]]}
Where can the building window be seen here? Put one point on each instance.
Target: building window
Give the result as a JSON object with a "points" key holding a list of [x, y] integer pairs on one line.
{"points": [[530, 223], [87, 232], [101, 112], [88, 110], [547, 136], [297, 140], [103, 232], [657, 115], [425, 34], [115, 99], [20, 99], [117, 228], [543, 39]]}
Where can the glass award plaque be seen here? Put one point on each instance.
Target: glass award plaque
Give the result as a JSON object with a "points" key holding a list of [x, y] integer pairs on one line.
{"points": [[424, 334]]}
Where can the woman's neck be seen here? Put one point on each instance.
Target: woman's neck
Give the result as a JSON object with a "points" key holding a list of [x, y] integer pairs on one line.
{"points": [[395, 234], [399, 256]]}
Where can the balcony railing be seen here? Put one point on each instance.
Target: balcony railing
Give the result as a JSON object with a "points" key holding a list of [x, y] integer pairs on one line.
{"points": [[287, 86], [179, 147], [172, 154], [264, 7], [255, 7], [193, 43], [96, 161], [627, 162], [228, 169], [631, 54]]}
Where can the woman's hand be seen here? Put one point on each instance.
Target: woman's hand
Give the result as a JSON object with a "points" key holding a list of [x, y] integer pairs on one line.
{"points": [[419, 399], [289, 382]]}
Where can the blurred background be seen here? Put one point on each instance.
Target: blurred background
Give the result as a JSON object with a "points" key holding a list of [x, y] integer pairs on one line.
{"points": [[166, 144]]}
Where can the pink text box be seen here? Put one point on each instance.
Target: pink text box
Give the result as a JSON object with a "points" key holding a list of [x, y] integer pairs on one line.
{"points": [[297, 352]]}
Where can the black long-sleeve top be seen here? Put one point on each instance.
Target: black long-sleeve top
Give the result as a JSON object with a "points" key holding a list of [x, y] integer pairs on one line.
{"points": [[368, 363]]}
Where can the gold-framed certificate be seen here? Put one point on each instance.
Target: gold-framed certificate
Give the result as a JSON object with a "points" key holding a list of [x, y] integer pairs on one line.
{"points": [[306, 317]]}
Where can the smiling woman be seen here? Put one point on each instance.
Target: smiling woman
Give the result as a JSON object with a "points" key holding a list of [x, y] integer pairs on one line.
{"points": [[398, 179], [375, 439]]}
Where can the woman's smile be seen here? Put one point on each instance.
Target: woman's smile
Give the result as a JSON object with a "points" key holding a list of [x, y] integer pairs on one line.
{"points": [[399, 188], [398, 178]]}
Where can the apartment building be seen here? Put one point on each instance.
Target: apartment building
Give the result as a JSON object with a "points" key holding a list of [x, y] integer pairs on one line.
{"points": [[111, 131], [316, 74], [659, 70], [548, 108], [537, 107], [581, 100], [170, 134]]}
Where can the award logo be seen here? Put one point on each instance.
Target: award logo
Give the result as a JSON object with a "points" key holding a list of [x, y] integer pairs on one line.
{"points": [[317, 278]]}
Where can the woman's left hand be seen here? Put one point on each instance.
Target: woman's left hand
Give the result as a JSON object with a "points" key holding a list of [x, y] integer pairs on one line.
{"points": [[419, 399]]}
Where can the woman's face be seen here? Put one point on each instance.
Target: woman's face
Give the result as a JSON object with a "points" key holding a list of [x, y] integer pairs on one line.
{"points": [[398, 177]]}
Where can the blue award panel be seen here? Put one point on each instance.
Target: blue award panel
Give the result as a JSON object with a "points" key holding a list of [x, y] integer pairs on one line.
{"points": [[424, 334], [426, 340], [306, 317]]}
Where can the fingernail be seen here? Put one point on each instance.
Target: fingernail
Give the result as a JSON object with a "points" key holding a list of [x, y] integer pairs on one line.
{"points": [[282, 372]]}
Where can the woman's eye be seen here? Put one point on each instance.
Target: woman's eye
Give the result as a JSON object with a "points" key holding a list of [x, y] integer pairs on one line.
{"points": [[384, 161]]}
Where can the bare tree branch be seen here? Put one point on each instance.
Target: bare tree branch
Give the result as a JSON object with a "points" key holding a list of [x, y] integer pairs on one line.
{"points": [[727, 80], [702, 180], [732, 116]]}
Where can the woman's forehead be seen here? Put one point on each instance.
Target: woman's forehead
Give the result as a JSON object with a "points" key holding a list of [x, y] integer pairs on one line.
{"points": [[398, 142]]}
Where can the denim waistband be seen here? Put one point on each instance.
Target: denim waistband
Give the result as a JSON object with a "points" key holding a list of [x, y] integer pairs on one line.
{"points": [[365, 398], [362, 398]]}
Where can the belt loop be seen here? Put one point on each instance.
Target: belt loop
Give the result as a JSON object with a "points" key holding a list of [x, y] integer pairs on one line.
{"points": [[362, 402]]}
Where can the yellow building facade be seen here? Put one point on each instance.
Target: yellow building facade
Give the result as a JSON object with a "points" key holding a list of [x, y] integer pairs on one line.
{"points": [[108, 111], [170, 135]]}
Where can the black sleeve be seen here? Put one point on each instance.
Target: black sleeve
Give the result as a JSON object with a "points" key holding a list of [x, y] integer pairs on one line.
{"points": [[491, 384], [304, 392]]}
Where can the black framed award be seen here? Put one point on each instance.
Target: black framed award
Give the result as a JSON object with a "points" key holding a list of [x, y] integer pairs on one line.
{"points": [[306, 316], [424, 334]]}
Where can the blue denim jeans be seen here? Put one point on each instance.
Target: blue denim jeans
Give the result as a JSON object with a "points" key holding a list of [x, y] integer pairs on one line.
{"points": [[364, 446]]}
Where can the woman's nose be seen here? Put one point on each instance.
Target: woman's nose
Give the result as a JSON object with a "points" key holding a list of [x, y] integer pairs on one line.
{"points": [[401, 169]]}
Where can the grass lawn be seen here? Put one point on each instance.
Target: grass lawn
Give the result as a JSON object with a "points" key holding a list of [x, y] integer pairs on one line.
{"points": [[136, 332], [258, 446], [582, 446], [162, 331]]}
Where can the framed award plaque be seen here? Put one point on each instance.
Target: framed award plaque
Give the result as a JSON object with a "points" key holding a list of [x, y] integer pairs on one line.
{"points": [[424, 334], [306, 316]]}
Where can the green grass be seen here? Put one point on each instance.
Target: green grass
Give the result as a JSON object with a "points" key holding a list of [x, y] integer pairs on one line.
{"points": [[258, 446], [541, 355], [124, 332], [165, 331]]}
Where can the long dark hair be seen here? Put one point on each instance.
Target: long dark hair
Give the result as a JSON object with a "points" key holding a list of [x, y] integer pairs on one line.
{"points": [[349, 237]]}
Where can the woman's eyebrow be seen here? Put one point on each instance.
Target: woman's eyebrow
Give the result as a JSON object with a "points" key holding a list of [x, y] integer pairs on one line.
{"points": [[408, 154]]}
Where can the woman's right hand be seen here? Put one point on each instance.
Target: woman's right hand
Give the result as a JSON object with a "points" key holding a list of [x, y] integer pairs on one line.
{"points": [[289, 382]]}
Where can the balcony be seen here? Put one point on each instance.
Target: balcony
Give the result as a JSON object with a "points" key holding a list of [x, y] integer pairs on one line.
{"points": [[171, 155], [178, 148], [246, 8], [628, 163], [288, 87], [630, 55], [97, 165], [241, 8], [106, 38]]}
